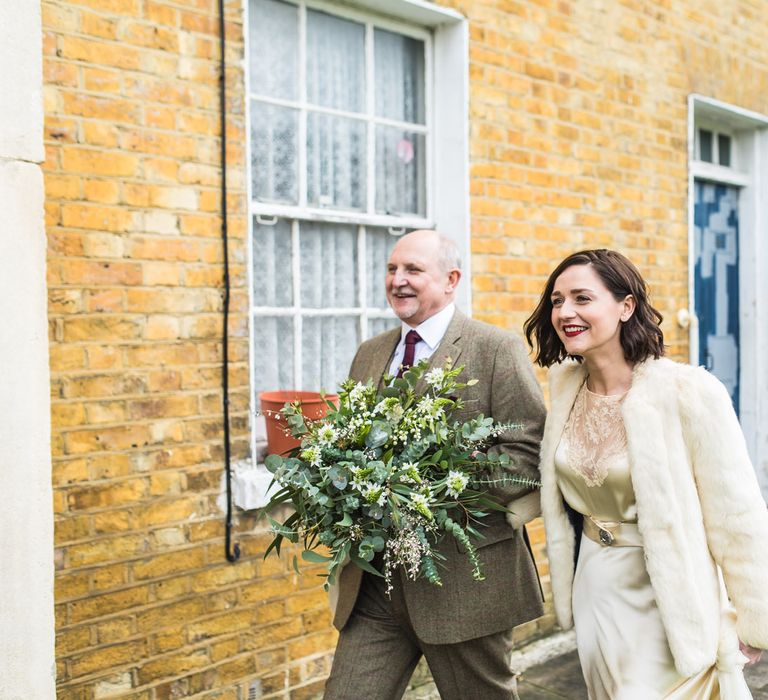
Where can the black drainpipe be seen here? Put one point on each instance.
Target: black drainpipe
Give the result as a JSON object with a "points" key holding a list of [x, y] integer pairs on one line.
{"points": [[232, 554]]}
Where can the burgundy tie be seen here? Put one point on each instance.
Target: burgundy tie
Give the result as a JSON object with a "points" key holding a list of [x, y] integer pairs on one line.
{"points": [[411, 338]]}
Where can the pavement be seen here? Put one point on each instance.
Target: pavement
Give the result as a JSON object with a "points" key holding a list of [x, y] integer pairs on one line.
{"points": [[559, 678]]}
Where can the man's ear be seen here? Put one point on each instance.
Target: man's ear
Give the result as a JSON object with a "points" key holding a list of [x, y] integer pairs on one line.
{"points": [[454, 275]]}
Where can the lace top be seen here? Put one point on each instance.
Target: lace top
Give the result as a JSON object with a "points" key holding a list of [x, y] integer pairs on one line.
{"points": [[592, 461], [594, 434]]}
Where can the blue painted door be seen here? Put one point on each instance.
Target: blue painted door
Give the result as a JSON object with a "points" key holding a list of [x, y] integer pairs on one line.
{"points": [[716, 281]]}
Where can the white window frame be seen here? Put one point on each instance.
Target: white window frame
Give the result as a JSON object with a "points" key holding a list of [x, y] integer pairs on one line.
{"points": [[302, 210], [716, 130], [445, 33], [749, 154]]}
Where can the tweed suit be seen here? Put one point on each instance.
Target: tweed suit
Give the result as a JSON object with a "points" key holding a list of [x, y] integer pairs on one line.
{"points": [[464, 609]]}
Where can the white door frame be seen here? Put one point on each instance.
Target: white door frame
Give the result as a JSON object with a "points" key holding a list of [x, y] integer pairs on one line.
{"points": [[750, 149]]}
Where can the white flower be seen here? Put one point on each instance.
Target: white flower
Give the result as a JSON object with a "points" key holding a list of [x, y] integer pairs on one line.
{"points": [[406, 549], [456, 483], [357, 394], [425, 405], [372, 493], [420, 504], [390, 408], [411, 475], [429, 407], [435, 376], [313, 455], [395, 413], [327, 434]]}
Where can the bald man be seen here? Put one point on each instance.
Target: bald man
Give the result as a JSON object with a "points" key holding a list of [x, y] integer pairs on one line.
{"points": [[464, 627]]}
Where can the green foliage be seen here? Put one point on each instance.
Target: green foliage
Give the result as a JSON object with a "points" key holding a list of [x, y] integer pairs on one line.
{"points": [[389, 472]]}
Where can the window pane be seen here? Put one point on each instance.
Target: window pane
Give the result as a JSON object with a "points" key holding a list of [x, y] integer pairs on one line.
{"points": [[274, 48], [724, 149], [274, 148], [336, 162], [400, 172], [328, 346], [328, 270], [272, 264], [378, 245], [399, 77], [705, 145], [273, 353], [335, 62], [379, 325]]}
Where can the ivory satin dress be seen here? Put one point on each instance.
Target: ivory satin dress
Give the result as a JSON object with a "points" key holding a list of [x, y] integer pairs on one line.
{"points": [[621, 641]]}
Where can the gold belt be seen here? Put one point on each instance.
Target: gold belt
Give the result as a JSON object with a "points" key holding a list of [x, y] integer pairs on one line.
{"points": [[612, 534]]}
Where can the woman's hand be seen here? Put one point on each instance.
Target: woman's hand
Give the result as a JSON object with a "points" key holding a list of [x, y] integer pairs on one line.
{"points": [[752, 653]]}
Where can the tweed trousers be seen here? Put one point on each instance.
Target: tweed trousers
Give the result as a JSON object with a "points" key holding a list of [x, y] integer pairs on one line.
{"points": [[378, 651]]}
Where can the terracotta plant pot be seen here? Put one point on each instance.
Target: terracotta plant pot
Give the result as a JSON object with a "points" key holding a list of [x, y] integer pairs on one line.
{"points": [[313, 406]]}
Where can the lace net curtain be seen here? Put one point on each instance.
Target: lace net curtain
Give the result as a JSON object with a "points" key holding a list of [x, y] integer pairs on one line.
{"points": [[336, 165]]}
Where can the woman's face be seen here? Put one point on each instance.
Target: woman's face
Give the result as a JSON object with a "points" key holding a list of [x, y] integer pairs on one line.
{"points": [[586, 316]]}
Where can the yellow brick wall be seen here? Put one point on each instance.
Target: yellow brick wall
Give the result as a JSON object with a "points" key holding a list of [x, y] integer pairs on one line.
{"points": [[578, 138], [579, 135]]}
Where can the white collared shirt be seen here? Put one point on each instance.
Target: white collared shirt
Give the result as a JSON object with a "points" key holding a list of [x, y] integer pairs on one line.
{"points": [[431, 331]]}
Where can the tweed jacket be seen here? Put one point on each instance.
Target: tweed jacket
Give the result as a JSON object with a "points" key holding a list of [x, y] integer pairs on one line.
{"points": [[699, 506], [463, 608]]}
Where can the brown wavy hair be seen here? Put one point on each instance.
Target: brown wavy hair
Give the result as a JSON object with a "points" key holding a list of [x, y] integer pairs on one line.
{"points": [[641, 335]]}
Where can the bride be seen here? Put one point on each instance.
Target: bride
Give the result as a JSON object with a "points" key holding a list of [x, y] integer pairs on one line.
{"points": [[657, 534]]}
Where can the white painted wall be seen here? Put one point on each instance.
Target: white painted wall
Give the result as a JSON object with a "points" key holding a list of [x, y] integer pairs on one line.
{"points": [[26, 516]]}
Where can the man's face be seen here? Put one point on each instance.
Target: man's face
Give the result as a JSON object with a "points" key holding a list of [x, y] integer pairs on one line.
{"points": [[417, 285]]}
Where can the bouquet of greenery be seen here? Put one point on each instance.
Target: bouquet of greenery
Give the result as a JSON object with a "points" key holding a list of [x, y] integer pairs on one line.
{"points": [[389, 472]]}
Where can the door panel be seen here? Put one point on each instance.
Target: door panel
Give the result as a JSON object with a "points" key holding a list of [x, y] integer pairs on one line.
{"points": [[716, 281]]}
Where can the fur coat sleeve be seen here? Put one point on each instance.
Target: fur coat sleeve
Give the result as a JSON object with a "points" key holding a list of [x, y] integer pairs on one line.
{"points": [[735, 515]]}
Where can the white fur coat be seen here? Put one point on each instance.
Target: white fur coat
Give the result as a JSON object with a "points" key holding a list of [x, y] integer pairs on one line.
{"points": [[698, 502]]}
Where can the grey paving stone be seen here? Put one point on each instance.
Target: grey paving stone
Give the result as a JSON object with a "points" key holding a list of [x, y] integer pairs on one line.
{"points": [[533, 692], [757, 675], [560, 676]]}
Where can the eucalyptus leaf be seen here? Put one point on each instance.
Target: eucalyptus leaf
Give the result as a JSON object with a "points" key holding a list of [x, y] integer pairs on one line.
{"points": [[380, 471], [273, 463], [365, 566], [411, 376], [340, 483], [314, 557], [366, 553], [378, 434]]}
